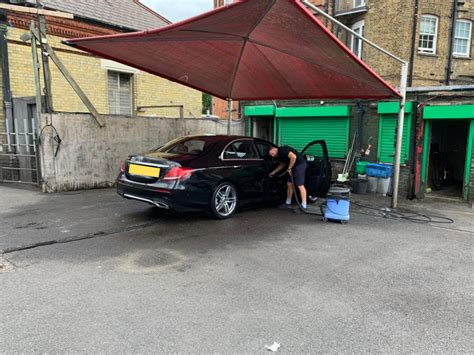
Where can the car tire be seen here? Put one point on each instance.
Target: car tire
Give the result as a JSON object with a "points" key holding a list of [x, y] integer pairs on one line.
{"points": [[224, 201]]}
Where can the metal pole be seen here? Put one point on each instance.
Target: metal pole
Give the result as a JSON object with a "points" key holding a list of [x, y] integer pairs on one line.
{"points": [[403, 93], [34, 51], [229, 116], [39, 104], [449, 67], [398, 147], [43, 40]]}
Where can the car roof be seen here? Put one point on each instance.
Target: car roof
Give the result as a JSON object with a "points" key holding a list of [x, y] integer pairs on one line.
{"points": [[218, 137]]}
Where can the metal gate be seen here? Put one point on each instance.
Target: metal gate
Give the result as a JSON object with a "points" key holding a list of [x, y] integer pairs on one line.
{"points": [[19, 145]]}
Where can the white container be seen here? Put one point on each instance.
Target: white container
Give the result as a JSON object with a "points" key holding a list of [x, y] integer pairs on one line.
{"points": [[383, 186], [372, 186]]}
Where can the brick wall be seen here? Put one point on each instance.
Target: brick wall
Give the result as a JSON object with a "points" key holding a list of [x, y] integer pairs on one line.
{"points": [[92, 77], [389, 23]]}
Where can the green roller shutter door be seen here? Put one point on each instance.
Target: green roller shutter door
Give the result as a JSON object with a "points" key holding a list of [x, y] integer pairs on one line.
{"points": [[299, 131], [387, 138]]}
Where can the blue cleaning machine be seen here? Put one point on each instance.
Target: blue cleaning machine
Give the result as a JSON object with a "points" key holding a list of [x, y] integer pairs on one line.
{"points": [[337, 205]]}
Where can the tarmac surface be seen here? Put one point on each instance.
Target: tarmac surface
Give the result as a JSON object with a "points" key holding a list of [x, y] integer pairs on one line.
{"points": [[92, 272]]}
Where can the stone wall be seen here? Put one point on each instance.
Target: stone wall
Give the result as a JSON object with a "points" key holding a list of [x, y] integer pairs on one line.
{"points": [[89, 156]]}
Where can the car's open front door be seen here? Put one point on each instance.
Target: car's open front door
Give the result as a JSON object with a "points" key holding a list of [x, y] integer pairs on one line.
{"points": [[319, 172]]}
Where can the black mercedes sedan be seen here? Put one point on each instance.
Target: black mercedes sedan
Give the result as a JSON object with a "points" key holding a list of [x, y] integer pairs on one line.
{"points": [[216, 174]]}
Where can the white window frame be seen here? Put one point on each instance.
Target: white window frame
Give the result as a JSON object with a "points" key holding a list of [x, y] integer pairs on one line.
{"points": [[227, 2], [355, 27], [359, 3], [465, 55], [132, 77], [426, 50]]}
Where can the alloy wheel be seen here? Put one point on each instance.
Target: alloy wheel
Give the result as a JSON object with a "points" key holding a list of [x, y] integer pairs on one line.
{"points": [[225, 200]]}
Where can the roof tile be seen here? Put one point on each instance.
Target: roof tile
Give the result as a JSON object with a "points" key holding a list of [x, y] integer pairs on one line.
{"points": [[129, 14]]}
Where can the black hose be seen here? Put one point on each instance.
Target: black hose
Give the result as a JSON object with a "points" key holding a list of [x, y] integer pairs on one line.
{"points": [[407, 216], [383, 212], [304, 210]]}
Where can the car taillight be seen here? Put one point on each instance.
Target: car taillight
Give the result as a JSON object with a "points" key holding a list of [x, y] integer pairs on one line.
{"points": [[122, 167], [178, 174]]}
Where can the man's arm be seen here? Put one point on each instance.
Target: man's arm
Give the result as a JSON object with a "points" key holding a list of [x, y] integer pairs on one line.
{"points": [[293, 158], [278, 168]]}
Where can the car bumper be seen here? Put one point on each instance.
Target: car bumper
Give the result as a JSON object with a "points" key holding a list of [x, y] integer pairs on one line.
{"points": [[173, 199]]}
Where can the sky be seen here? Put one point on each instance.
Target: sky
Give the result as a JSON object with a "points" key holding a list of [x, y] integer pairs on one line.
{"points": [[177, 10]]}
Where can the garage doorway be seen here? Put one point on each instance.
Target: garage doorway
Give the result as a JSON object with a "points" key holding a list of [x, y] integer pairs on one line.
{"points": [[262, 127], [447, 160]]}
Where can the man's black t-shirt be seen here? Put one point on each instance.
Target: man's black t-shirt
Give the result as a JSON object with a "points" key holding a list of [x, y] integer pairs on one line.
{"points": [[283, 152]]}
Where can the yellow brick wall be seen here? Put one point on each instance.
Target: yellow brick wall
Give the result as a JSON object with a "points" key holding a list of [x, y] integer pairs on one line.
{"points": [[149, 90], [389, 23]]}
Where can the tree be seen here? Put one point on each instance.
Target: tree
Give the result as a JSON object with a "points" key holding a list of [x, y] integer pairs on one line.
{"points": [[206, 103]]}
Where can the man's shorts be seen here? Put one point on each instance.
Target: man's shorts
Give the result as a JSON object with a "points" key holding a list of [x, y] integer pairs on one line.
{"points": [[299, 174]]}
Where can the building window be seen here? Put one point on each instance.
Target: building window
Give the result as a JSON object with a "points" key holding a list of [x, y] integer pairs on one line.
{"points": [[227, 2], [359, 3], [462, 38], [357, 44], [120, 93], [428, 34]]}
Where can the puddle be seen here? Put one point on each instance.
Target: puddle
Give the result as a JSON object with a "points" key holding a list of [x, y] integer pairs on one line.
{"points": [[148, 261]]}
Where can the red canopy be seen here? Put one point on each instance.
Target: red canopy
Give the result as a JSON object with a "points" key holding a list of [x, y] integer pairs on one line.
{"points": [[249, 50]]}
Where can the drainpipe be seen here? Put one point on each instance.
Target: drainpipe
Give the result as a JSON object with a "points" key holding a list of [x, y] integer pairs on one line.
{"points": [[326, 10], [413, 151], [333, 13], [413, 44], [360, 124], [7, 94], [454, 16]]}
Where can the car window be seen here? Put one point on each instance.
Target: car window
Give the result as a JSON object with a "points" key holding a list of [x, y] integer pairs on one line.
{"points": [[190, 146], [241, 150], [263, 148], [314, 153]]}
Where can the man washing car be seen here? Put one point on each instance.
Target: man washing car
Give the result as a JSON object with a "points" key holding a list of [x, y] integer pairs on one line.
{"points": [[288, 156]]}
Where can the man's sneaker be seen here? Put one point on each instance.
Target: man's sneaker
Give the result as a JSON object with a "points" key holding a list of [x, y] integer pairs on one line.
{"points": [[286, 206]]}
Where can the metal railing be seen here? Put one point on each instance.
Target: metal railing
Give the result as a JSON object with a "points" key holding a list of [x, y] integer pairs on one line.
{"points": [[19, 153], [350, 6]]}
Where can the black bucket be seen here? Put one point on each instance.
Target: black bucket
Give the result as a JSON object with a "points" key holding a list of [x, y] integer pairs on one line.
{"points": [[362, 185]]}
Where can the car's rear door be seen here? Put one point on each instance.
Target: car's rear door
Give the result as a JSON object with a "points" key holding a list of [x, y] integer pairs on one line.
{"points": [[272, 187], [249, 168]]}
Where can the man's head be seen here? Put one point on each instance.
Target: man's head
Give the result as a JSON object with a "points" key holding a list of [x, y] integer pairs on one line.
{"points": [[273, 152]]}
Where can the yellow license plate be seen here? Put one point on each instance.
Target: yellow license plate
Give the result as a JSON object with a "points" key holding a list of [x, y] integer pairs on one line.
{"points": [[144, 170]]}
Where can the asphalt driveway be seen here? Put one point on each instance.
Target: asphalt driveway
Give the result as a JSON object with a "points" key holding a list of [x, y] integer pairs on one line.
{"points": [[126, 278]]}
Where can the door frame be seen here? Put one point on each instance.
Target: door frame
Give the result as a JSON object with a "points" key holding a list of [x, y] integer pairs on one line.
{"points": [[448, 113]]}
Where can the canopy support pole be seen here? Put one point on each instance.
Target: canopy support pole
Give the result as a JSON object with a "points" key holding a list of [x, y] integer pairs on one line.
{"points": [[403, 91], [229, 116], [398, 147]]}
